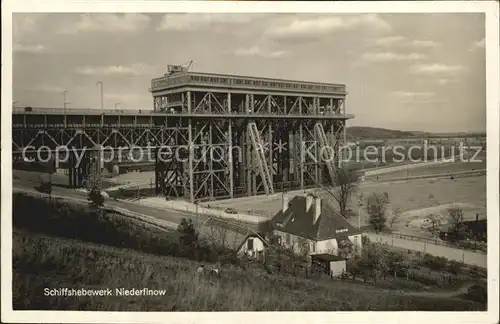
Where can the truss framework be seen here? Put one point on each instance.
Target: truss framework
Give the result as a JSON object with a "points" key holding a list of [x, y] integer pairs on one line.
{"points": [[212, 145]]}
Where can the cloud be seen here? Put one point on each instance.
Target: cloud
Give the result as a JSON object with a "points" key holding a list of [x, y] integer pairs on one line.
{"points": [[128, 22], [29, 48], [312, 26], [401, 41], [443, 81], [388, 41], [23, 24], [123, 98], [478, 45], [409, 97], [436, 68], [406, 94], [49, 88], [423, 43], [195, 21], [390, 57], [138, 69], [257, 51]]}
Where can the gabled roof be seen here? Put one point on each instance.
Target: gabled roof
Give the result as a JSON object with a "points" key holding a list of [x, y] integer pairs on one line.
{"points": [[254, 235], [297, 221]]}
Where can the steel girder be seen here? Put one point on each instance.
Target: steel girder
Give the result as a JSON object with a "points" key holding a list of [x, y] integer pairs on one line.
{"points": [[290, 145], [218, 159]]}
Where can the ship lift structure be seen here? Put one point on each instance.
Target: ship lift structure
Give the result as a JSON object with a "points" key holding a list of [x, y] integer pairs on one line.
{"points": [[212, 136], [247, 136]]}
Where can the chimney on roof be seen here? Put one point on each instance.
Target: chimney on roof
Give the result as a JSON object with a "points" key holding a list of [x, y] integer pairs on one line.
{"points": [[317, 209], [309, 201], [284, 202]]}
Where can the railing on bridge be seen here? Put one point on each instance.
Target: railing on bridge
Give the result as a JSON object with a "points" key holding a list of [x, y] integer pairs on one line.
{"points": [[243, 82]]}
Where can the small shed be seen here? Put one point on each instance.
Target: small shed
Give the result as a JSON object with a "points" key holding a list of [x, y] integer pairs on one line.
{"points": [[333, 265], [253, 246]]}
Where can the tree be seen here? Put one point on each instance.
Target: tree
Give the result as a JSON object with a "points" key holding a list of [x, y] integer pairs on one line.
{"points": [[353, 266], [189, 236], [346, 249], [456, 218], [46, 185], [374, 260], [376, 205], [398, 262], [435, 221], [95, 197], [394, 217], [345, 183]]}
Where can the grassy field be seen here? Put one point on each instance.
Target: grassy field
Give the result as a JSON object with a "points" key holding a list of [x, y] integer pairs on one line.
{"points": [[436, 169], [409, 196], [42, 261], [60, 245]]}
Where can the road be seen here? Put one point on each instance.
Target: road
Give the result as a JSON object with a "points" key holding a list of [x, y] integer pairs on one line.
{"points": [[162, 214], [173, 216], [467, 257]]}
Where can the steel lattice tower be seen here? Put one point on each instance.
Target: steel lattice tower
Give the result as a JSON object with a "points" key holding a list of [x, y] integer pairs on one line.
{"points": [[244, 136]]}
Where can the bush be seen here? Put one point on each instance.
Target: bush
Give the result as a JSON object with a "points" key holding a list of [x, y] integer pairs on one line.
{"points": [[434, 263], [478, 293], [65, 220]]}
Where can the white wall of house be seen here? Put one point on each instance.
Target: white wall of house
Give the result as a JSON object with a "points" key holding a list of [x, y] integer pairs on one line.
{"points": [[256, 246], [315, 247], [356, 240], [337, 268], [292, 241], [327, 246]]}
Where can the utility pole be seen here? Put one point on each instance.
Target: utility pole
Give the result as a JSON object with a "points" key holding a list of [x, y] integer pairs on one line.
{"points": [[282, 194], [359, 215], [100, 84], [64, 98]]}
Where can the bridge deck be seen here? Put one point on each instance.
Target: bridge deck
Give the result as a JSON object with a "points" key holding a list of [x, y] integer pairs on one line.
{"points": [[151, 113]]}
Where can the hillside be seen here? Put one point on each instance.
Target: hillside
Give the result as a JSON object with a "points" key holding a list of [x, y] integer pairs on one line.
{"points": [[57, 244], [362, 132], [75, 264], [365, 132]]}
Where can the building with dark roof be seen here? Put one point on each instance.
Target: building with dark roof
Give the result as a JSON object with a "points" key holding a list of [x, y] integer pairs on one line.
{"points": [[475, 229], [307, 223], [253, 246]]}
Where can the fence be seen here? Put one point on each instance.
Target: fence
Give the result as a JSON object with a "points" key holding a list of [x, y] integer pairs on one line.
{"points": [[459, 174], [423, 246], [432, 241]]}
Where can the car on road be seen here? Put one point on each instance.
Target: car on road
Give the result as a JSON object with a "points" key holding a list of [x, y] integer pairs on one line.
{"points": [[231, 211]]}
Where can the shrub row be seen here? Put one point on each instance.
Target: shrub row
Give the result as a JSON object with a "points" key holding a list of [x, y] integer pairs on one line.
{"points": [[88, 224]]}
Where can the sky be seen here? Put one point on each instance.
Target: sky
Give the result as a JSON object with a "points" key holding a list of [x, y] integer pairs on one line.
{"points": [[417, 72]]}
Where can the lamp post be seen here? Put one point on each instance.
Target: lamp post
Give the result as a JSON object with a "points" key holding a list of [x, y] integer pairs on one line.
{"points": [[100, 84], [64, 98]]}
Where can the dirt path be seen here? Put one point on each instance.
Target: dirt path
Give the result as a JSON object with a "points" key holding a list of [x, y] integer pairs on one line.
{"points": [[443, 294]]}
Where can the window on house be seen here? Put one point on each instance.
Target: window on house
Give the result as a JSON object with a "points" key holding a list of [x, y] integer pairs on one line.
{"points": [[313, 247], [250, 244]]}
